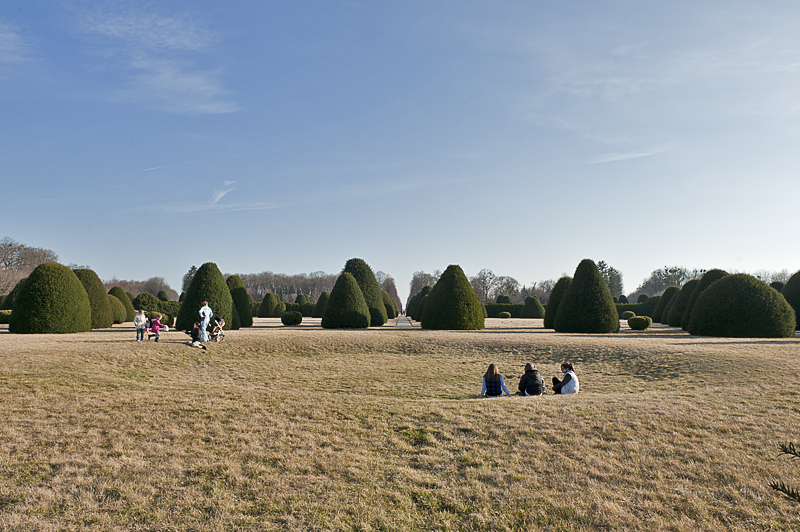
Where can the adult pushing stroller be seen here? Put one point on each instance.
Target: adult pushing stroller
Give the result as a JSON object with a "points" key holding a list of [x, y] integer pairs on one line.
{"points": [[217, 334]]}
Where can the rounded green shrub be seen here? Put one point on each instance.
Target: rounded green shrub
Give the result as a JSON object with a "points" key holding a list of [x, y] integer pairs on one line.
{"points": [[280, 309], [556, 295], [52, 300], [241, 300], [208, 284], [369, 286], [8, 302], [131, 297], [117, 309], [302, 299], [640, 323], [642, 298], [679, 303], [707, 280], [741, 306], [791, 292], [236, 321], [503, 315], [777, 285], [628, 314], [452, 303], [388, 304], [533, 308], [587, 306], [503, 299], [291, 317], [146, 301], [120, 294], [319, 308], [623, 299], [346, 307], [162, 296], [268, 305], [666, 298], [102, 315]]}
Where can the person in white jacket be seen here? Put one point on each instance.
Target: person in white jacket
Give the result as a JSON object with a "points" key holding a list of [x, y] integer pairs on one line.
{"points": [[140, 322], [568, 383], [205, 318]]}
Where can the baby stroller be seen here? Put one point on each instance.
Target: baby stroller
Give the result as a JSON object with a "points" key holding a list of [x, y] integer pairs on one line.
{"points": [[217, 334]]}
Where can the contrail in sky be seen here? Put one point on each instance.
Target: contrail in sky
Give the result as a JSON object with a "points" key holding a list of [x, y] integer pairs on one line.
{"points": [[228, 156]]}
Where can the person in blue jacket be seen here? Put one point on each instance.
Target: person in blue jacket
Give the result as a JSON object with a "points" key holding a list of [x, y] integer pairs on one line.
{"points": [[493, 383], [205, 318]]}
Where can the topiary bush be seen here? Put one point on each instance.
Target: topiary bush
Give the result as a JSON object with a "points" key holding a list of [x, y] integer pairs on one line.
{"points": [[102, 315], [162, 296], [319, 308], [556, 295], [5, 317], [146, 301], [302, 299], [452, 303], [8, 301], [236, 322], [791, 292], [623, 299], [166, 319], [707, 280], [130, 296], [241, 300], [268, 305], [388, 304], [640, 323], [370, 288], [493, 309], [628, 314], [587, 306], [741, 306], [52, 300], [666, 298], [120, 294], [503, 299], [280, 309], [504, 315], [208, 284], [777, 285], [117, 309], [346, 307], [291, 317], [415, 314], [533, 308], [642, 298], [680, 303]]}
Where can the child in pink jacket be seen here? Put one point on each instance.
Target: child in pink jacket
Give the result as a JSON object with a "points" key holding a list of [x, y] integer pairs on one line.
{"points": [[155, 327]]}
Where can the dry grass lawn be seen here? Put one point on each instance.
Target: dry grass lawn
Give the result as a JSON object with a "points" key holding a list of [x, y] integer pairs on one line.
{"points": [[306, 429]]}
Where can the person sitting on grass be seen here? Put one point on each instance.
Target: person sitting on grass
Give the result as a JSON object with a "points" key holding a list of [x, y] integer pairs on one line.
{"points": [[569, 382], [493, 383], [197, 337], [531, 383]]}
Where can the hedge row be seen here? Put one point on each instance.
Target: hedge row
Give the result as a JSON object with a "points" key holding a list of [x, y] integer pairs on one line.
{"points": [[494, 309]]}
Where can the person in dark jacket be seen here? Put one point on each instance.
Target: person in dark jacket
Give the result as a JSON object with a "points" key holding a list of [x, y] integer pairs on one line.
{"points": [[531, 383], [197, 337]]}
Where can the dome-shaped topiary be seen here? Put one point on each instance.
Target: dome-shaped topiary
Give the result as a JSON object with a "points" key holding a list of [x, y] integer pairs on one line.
{"points": [[120, 294], [452, 303], [623, 299], [680, 302], [117, 309], [291, 317], [280, 308], [102, 316], [666, 298], [504, 299], [346, 306], [320, 306], [587, 306], [741, 306], [503, 315], [131, 297], [708, 278], [388, 304], [162, 296], [533, 308], [791, 292], [241, 300], [777, 285], [268, 305], [8, 302], [146, 301], [52, 300], [640, 323], [556, 295], [302, 299], [642, 298], [414, 309], [208, 284], [236, 322], [366, 280], [628, 314]]}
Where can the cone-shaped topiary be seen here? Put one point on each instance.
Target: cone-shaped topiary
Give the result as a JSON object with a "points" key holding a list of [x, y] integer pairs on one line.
{"points": [[8, 302], [416, 314], [52, 300], [587, 306], [268, 305], [346, 306], [666, 298], [628, 314], [146, 301], [120, 294], [102, 316], [708, 278], [388, 304], [642, 298], [421, 306], [503, 299], [302, 299], [680, 302], [236, 322], [412, 305], [791, 291], [452, 303], [241, 300], [533, 308], [162, 296], [117, 309], [556, 295], [370, 288], [208, 284], [741, 306], [320, 306], [131, 297]]}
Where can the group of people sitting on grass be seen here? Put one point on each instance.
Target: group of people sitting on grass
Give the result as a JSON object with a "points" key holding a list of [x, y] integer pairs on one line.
{"points": [[531, 382]]}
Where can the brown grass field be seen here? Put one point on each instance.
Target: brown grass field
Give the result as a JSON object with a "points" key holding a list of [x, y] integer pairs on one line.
{"points": [[301, 428]]}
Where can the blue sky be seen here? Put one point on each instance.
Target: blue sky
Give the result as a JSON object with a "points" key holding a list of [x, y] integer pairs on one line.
{"points": [[140, 138]]}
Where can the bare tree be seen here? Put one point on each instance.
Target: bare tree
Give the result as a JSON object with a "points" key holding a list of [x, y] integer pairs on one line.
{"points": [[18, 261], [420, 280], [388, 286], [505, 286], [287, 287], [483, 284]]}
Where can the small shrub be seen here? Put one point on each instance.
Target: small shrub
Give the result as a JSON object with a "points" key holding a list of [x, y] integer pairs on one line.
{"points": [[503, 299], [640, 323], [117, 309], [504, 315], [642, 298], [291, 317], [628, 314]]}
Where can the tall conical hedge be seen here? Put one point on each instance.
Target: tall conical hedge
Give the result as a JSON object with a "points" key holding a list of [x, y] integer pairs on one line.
{"points": [[666, 298], [741, 306], [388, 304], [8, 302], [708, 278], [52, 300], [346, 307], [319, 308], [209, 285], [241, 300], [117, 309], [679, 303], [365, 278], [120, 294], [533, 308], [102, 315], [452, 303], [236, 322], [556, 295], [415, 313], [302, 299], [587, 306], [791, 292], [268, 305]]}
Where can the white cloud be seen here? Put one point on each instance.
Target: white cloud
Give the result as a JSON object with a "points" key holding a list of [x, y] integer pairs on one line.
{"points": [[228, 183], [218, 195], [12, 47], [148, 30], [613, 157]]}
